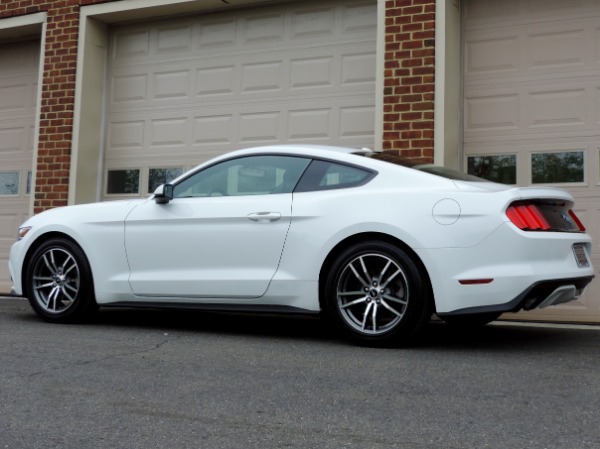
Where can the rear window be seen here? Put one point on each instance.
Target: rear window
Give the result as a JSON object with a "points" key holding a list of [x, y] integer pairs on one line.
{"points": [[422, 164], [448, 173]]}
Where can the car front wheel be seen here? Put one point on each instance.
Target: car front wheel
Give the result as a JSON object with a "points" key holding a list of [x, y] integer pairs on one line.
{"points": [[59, 283], [376, 295]]}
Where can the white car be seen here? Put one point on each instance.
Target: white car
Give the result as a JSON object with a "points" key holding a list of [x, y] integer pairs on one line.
{"points": [[376, 246]]}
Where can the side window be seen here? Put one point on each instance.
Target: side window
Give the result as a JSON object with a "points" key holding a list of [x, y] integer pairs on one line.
{"points": [[253, 175], [324, 175]]}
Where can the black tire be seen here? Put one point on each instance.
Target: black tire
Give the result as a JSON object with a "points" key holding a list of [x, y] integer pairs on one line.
{"points": [[376, 295], [59, 283], [472, 320]]}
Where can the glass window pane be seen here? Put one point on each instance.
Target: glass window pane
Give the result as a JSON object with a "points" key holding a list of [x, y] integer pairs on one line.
{"points": [[341, 175], [123, 182], [9, 183], [323, 175], [557, 167], [28, 187], [158, 176], [255, 175], [500, 168]]}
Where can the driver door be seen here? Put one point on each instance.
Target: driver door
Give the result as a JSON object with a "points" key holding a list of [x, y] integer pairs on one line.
{"points": [[222, 234]]}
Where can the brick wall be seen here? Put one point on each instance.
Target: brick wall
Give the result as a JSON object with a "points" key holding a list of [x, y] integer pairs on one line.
{"points": [[409, 78], [408, 88]]}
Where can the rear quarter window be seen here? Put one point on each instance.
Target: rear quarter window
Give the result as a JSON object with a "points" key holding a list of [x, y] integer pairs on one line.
{"points": [[326, 175]]}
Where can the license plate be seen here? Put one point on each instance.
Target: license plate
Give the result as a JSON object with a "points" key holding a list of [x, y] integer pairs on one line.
{"points": [[580, 255]]}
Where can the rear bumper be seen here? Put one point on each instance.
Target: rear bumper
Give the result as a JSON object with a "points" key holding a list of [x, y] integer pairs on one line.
{"points": [[523, 270], [539, 295]]}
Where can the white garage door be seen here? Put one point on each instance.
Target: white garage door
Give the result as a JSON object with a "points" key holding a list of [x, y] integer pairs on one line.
{"points": [[184, 90], [532, 107], [18, 91]]}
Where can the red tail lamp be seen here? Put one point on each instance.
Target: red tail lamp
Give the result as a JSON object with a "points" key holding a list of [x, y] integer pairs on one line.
{"points": [[527, 217]]}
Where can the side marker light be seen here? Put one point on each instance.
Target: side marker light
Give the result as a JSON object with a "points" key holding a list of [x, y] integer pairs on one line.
{"points": [[475, 281]]}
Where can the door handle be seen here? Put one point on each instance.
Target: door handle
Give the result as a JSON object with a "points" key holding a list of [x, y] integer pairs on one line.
{"points": [[264, 217]]}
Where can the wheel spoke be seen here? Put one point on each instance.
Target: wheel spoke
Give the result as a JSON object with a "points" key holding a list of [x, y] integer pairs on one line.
{"points": [[47, 284], [364, 268], [64, 292], [366, 315], [390, 279], [73, 265], [51, 266], [374, 317], [394, 299], [387, 265], [52, 298], [356, 293], [42, 278], [353, 303], [71, 287], [391, 309], [358, 276]]}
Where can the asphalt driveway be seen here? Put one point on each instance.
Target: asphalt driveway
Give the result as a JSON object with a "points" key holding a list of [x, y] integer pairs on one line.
{"points": [[156, 379]]}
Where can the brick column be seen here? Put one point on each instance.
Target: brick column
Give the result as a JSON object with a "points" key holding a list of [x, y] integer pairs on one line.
{"points": [[57, 106], [409, 78]]}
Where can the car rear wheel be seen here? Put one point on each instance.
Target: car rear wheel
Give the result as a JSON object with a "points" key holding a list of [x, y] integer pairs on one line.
{"points": [[376, 295], [59, 283]]}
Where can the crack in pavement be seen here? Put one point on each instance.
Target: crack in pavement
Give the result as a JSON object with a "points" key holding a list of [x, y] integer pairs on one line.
{"points": [[96, 360]]}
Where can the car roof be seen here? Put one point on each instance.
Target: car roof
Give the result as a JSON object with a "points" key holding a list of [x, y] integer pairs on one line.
{"points": [[303, 149]]}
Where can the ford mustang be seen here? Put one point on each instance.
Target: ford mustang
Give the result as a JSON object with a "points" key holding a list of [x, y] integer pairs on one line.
{"points": [[373, 245]]}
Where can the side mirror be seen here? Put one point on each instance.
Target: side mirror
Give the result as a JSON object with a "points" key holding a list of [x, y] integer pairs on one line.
{"points": [[163, 194]]}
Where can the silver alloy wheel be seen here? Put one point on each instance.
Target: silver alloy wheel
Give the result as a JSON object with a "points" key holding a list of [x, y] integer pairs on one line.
{"points": [[56, 280], [372, 293]]}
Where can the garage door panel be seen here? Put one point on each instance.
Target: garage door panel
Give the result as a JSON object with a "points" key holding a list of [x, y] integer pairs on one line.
{"points": [[488, 54], [489, 112], [532, 107], [14, 140], [556, 108], [126, 136], [315, 71], [333, 120], [14, 97], [557, 48], [554, 50], [493, 13], [257, 30], [19, 58]]}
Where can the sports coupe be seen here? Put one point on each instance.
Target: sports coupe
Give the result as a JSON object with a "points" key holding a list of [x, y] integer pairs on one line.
{"points": [[374, 246]]}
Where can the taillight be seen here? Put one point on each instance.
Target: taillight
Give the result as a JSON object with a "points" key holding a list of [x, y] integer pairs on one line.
{"points": [[577, 221], [541, 215], [527, 217]]}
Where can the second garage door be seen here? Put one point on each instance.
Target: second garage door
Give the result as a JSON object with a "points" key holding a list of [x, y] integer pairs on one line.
{"points": [[532, 108], [182, 91]]}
